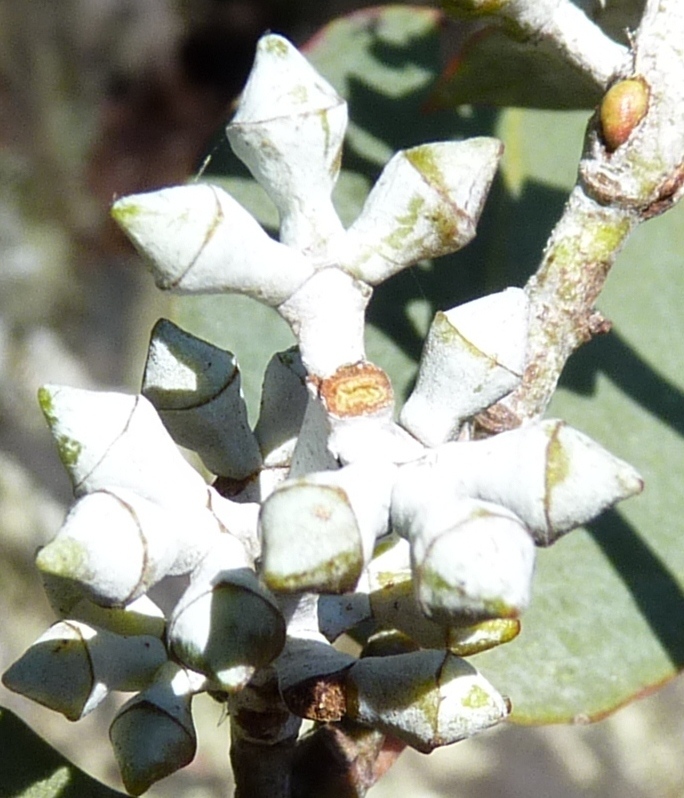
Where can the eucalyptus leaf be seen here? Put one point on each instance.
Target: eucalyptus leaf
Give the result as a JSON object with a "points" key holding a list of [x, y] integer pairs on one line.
{"points": [[33, 769]]}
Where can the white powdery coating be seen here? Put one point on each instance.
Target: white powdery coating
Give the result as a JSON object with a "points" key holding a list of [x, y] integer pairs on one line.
{"points": [[374, 437], [474, 355], [200, 240], [478, 568], [472, 560], [551, 476], [114, 550], [425, 698], [368, 487], [196, 390], [310, 538], [111, 440], [288, 130], [426, 203], [327, 317], [226, 625], [73, 666]]}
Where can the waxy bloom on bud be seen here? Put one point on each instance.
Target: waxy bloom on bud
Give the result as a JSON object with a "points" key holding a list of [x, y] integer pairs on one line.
{"points": [[318, 531], [73, 666], [153, 734], [471, 560], [474, 355], [551, 476], [200, 240], [195, 388], [226, 624], [426, 203], [425, 698], [111, 440], [288, 130]]}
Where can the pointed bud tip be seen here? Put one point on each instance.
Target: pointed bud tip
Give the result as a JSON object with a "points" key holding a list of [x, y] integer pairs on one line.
{"points": [[63, 557]]}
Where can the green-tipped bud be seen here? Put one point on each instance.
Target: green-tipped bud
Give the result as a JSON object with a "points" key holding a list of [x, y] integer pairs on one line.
{"points": [[199, 240], [288, 130], [425, 698], [474, 355], [426, 203], [111, 440]]}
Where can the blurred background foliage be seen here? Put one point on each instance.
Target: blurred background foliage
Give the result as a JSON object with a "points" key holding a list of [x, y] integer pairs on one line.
{"points": [[100, 98]]}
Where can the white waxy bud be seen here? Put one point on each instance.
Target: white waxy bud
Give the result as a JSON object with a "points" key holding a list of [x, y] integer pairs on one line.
{"points": [[311, 678], [327, 317], [426, 203], [551, 476], [393, 605], [153, 734], [226, 624], [112, 440], [195, 388], [116, 545], [425, 698], [471, 560], [200, 240], [73, 666], [318, 531], [473, 356], [288, 130], [114, 551], [283, 402]]}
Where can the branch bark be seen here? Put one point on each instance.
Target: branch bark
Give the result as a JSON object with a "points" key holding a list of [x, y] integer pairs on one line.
{"points": [[617, 189]]}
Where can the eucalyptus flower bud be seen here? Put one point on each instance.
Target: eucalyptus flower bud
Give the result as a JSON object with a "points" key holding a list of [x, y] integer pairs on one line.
{"points": [[198, 239], [111, 440], [284, 399], [288, 130], [196, 390], [471, 560], [426, 203], [318, 531], [226, 624], [474, 355], [425, 698], [115, 546], [393, 606], [72, 667], [153, 734], [551, 476]]}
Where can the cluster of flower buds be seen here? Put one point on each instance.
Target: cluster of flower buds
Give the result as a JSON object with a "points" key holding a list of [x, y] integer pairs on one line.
{"points": [[329, 514]]}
